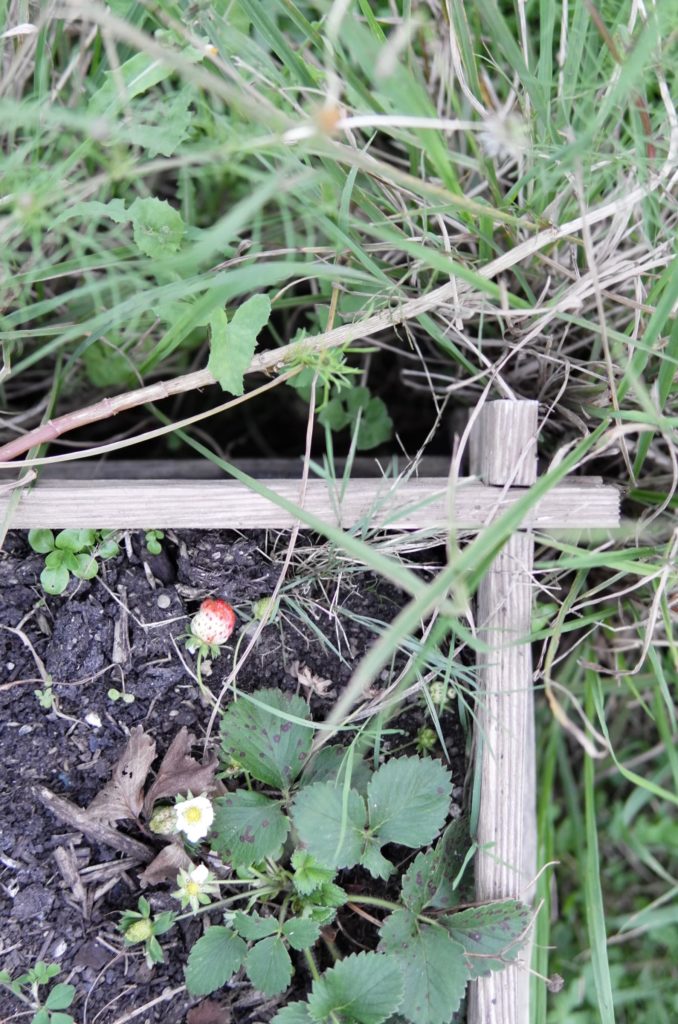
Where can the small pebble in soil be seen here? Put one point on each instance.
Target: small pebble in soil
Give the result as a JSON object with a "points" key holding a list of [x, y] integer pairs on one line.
{"points": [[164, 601]]}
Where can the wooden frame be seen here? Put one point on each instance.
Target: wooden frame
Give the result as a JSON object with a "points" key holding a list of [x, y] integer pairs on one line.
{"points": [[504, 460]]}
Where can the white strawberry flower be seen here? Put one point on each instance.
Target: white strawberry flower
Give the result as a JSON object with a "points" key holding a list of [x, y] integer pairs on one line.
{"points": [[194, 817], [196, 887]]}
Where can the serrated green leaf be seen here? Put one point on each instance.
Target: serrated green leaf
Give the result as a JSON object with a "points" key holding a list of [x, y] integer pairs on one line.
{"points": [[408, 799], [213, 960], [54, 581], [293, 1013], [253, 926], [430, 879], [269, 746], [492, 936], [374, 861], [268, 966], [329, 765], [158, 227], [301, 932], [365, 988], [308, 874], [163, 922], [331, 832], [60, 997], [248, 827], [419, 883], [432, 966], [41, 541], [232, 344], [452, 851]]}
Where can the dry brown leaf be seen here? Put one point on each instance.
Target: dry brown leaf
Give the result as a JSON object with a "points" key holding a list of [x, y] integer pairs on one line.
{"points": [[170, 861], [209, 1012], [123, 796], [307, 678], [179, 773]]}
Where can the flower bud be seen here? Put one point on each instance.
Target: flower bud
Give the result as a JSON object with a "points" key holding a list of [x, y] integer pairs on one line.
{"points": [[164, 821]]}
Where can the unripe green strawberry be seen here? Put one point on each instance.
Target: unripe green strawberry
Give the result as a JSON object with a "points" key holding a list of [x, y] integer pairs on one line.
{"points": [[139, 931], [214, 622], [265, 606]]}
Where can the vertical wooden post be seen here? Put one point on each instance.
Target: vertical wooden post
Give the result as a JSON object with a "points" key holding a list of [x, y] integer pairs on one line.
{"points": [[504, 451]]}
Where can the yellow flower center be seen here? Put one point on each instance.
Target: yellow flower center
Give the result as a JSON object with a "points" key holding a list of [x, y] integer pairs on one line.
{"points": [[193, 815], [193, 889]]}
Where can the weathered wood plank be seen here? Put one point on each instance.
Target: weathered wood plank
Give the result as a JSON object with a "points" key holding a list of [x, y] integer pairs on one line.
{"points": [[506, 451], [222, 504]]}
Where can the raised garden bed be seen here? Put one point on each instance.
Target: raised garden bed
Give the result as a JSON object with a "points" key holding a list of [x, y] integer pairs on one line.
{"points": [[157, 673]]}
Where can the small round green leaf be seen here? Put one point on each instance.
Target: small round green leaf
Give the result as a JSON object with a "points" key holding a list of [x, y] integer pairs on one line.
{"points": [[54, 581], [41, 541], [75, 540], [86, 567], [108, 549]]}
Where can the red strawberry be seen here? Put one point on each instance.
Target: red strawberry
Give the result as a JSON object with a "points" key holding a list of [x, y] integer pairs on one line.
{"points": [[214, 622]]}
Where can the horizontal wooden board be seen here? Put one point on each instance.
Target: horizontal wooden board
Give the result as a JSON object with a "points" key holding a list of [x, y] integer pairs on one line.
{"points": [[226, 504]]}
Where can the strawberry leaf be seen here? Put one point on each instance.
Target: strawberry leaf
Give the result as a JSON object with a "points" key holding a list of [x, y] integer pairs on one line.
{"points": [[330, 827], [492, 936], [248, 827], [408, 799], [365, 988], [268, 966], [432, 965], [268, 745], [213, 960]]}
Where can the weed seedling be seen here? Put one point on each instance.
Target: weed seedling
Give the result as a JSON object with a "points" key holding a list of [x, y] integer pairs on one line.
{"points": [[71, 551], [152, 540]]}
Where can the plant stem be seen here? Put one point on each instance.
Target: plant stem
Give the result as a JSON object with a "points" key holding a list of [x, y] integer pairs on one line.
{"points": [[376, 901], [312, 966]]}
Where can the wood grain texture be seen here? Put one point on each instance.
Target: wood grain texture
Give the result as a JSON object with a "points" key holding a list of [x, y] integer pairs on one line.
{"points": [[423, 503], [505, 754]]}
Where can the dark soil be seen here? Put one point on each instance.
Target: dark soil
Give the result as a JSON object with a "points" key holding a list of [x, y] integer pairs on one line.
{"points": [[120, 630]]}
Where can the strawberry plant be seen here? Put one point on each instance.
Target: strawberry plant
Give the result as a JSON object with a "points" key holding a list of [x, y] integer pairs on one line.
{"points": [[308, 833], [47, 1006]]}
